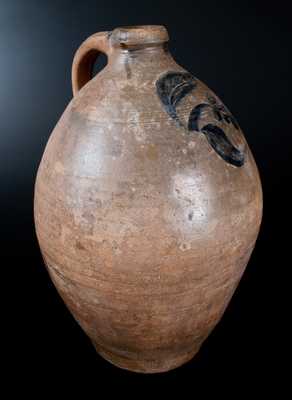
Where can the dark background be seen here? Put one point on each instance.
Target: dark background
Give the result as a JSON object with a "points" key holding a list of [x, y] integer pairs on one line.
{"points": [[241, 51]]}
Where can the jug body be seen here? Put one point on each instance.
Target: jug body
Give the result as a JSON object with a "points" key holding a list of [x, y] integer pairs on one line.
{"points": [[148, 202]]}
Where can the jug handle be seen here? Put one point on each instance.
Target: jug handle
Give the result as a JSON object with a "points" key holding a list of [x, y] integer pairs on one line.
{"points": [[85, 57]]}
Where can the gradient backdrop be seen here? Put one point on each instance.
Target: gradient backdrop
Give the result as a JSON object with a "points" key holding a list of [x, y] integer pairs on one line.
{"points": [[241, 51]]}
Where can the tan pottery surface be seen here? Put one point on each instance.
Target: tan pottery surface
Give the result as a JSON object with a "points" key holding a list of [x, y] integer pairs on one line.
{"points": [[145, 213]]}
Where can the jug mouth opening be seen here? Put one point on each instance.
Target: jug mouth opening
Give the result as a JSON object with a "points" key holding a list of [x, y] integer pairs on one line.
{"points": [[139, 35]]}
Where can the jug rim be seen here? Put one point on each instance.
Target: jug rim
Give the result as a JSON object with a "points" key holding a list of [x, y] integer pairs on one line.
{"points": [[138, 34]]}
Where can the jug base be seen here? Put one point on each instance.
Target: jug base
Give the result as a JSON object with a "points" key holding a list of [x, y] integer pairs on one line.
{"points": [[145, 366]]}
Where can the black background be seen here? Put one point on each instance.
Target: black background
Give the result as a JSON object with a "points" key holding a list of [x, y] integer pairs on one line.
{"points": [[241, 51]]}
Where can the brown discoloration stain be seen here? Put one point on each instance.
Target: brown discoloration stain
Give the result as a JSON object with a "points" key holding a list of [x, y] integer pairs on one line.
{"points": [[151, 152], [128, 68], [79, 246], [145, 231]]}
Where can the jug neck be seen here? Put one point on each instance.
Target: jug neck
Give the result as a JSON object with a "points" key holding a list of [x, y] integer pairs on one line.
{"points": [[145, 53]]}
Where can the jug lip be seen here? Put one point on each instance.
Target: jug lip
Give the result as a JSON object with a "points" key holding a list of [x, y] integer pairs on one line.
{"points": [[138, 35]]}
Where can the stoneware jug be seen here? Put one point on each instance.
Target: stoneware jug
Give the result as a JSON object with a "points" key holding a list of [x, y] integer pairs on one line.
{"points": [[148, 202]]}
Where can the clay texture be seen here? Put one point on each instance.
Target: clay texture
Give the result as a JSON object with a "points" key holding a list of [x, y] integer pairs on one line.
{"points": [[148, 202]]}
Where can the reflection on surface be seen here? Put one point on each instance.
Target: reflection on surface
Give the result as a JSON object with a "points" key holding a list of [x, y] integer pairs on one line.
{"points": [[191, 193]]}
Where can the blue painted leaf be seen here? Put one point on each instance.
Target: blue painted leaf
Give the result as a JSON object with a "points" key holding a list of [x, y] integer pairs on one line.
{"points": [[195, 115], [222, 145], [172, 88]]}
